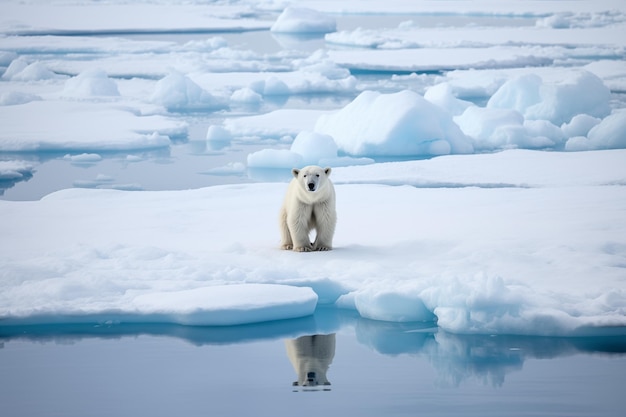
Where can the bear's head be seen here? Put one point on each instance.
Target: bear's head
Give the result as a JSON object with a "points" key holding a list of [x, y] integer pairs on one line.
{"points": [[312, 178]]}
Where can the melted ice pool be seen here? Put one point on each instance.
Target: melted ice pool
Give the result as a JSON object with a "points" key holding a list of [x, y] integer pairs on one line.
{"points": [[374, 369]]}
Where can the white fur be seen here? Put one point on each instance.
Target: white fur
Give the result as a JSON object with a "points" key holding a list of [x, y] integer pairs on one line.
{"points": [[311, 356], [309, 204]]}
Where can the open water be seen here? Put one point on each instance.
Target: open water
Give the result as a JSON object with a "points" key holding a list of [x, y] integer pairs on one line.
{"points": [[373, 368]]}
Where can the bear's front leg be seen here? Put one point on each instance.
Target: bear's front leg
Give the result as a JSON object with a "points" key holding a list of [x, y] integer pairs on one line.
{"points": [[326, 219], [298, 223], [285, 236]]}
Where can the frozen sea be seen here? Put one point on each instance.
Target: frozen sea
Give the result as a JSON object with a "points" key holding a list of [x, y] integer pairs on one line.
{"points": [[478, 151]]}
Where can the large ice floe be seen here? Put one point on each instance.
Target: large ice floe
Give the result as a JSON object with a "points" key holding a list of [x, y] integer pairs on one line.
{"points": [[516, 225], [522, 242]]}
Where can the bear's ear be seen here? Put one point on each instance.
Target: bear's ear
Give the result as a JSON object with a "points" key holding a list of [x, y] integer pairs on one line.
{"points": [[327, 170], [295, 172]]}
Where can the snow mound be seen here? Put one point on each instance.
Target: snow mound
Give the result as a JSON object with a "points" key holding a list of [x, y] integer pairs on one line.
{"points": [[246, 96], [176, 92], [21, 70], [91, 83], [398, 124], [493, 128], [272, 86], [610, 133], [218, 134], [313, 147], [303, 20]]}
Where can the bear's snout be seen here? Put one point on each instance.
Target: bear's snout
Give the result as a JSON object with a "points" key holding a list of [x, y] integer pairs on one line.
{"points": [[311, 379], [311, 186]]}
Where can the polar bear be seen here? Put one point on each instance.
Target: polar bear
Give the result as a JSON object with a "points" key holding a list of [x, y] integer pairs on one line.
{"points": [[311, 356], [309, 204]]}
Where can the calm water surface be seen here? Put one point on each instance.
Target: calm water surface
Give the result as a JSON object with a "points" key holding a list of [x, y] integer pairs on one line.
{"points": [[374, 369]]}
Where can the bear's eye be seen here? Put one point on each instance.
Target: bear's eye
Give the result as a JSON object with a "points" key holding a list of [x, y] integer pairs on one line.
{"points": [[317, 175], [304, 175]]}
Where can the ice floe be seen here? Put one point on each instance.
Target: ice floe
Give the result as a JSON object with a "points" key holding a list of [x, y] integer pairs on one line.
{"points": [[516, 241], [507, 243]]}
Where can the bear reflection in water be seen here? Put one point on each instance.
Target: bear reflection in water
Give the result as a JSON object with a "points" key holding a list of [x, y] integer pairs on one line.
{"points": [[311, 356]]}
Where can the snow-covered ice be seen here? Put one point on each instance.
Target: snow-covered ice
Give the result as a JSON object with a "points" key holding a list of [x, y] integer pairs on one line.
{"points": [[71, 125], [526, 239], [521, 242]]}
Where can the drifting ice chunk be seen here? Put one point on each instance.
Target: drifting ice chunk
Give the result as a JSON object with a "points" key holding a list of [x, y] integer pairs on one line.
{"points": [[389, 305], [177, 92], [10, 170], [610, 133], [270, 87], [83, 158], [403, 123], [20, 70], [246, 95], [218, 134], [493, 128], [557, 103], [314, 147], [15, 67], [302, 20]]}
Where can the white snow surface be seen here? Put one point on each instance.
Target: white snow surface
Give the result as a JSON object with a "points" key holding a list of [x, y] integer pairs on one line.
{"points": [[516, 241], [522, 242]]}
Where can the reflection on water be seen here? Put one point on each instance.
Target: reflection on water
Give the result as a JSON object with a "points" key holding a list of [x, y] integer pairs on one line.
{"points": [[311, 357], [376, 369], [310, 343]]}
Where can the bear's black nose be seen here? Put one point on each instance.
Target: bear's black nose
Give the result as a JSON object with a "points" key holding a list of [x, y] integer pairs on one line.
{"points": [[311, 186]]}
